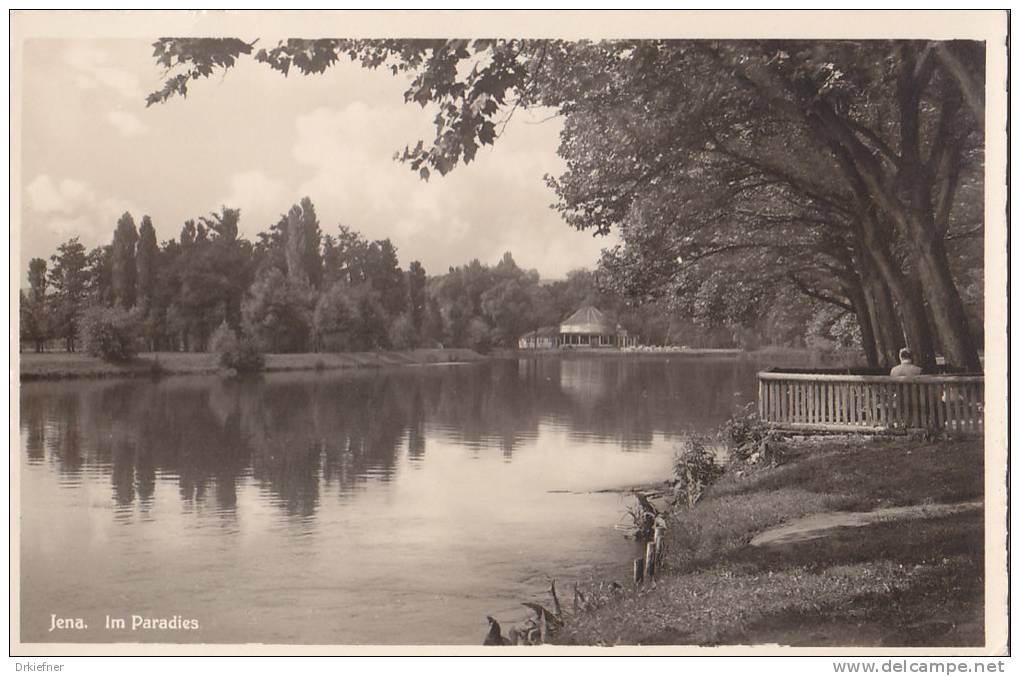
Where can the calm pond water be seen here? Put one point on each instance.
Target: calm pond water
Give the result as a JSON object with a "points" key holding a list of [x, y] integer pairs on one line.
{"points": [[379, 506]]}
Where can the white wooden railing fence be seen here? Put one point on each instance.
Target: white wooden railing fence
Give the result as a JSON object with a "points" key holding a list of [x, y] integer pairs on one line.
{"points": [[841, 403]]}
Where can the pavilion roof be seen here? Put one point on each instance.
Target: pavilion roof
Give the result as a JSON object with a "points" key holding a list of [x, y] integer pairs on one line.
{"points": [[588, 319]]}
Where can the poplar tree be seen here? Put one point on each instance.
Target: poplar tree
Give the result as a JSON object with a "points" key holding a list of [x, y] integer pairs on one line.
{"points": [[125, 273], [146, 261]]}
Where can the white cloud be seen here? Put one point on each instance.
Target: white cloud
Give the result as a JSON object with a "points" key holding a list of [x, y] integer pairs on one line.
{"points": [[497, 203], [48, 196], [260, 143], [94, 70], [68, 207], [260, 198], [126, 123], [350, 151]]}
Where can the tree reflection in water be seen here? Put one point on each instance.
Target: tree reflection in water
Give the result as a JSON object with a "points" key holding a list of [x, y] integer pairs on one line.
{"points": [[296, 434]]}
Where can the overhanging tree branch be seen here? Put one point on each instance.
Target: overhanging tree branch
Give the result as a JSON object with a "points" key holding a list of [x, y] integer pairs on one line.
{"points": [[818, 295]]}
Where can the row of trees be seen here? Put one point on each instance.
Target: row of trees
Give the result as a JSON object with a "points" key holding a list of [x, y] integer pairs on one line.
{"points": [[298, 290], [741, 174], [295, 289]]}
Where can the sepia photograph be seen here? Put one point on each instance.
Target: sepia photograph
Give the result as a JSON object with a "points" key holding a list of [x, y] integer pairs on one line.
{"points": [[508, 331]]}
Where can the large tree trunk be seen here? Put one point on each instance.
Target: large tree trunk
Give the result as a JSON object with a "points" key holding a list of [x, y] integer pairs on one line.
{"points": [[861, 309], [944, 300], [915, 323], [889, 327], [875, 188], [877, 334], [915, 220], [910, 306], [906, 292], [873, 235], [886, 325]]}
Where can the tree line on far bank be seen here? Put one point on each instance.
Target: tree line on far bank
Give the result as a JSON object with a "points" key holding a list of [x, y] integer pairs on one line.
{"points": [[294, 289], [298, 289]]}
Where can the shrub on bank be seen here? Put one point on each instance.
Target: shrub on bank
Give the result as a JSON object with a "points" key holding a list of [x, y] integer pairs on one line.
{"points": [[749, 440], [110, 333], [402, 333], [694, 470], [238, 352]]}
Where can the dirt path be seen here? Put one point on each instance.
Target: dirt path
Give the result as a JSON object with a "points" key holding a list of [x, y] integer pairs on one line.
{"points": [[821, 525]]}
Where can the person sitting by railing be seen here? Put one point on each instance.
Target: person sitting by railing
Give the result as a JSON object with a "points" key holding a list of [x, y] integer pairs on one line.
{"points": [[906, 367]]}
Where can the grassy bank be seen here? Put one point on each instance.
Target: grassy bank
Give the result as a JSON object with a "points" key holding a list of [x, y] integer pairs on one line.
{"points": [[53, 365], [906, 582]]}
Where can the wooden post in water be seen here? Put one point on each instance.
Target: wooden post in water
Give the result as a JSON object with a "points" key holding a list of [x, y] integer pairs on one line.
{"points": [[639, 571], [649, 562]]}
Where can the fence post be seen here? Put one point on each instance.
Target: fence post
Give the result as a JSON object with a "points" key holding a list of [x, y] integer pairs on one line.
{"points": [[649, 562], [761, 399]]}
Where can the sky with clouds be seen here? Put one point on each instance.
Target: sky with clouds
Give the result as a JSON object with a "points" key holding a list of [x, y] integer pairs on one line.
{"points": [[257, 141]]}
